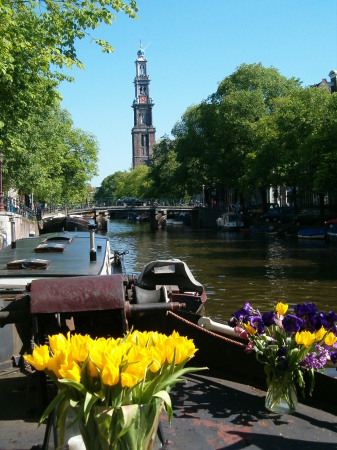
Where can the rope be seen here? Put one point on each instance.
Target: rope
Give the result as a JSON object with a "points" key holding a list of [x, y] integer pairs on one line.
{"points": [[199, 328]]}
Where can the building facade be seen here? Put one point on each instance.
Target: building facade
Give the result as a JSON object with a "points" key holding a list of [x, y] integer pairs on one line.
{"points": [[330, 86], [143, 131]]}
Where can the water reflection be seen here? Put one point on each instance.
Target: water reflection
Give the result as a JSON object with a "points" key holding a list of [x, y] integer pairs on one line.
{"points": [[235, 267]]}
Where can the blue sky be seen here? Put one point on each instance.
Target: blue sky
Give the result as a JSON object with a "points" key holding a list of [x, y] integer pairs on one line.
{"points": [[191, 45]]}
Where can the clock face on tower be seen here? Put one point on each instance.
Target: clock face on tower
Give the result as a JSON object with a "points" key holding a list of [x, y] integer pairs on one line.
{"points": [[142, 99]]}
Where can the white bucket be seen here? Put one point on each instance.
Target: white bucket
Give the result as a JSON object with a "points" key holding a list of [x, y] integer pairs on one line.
{"points": [[76, 443]]}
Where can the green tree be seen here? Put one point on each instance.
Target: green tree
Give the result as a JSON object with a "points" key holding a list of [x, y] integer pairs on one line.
{"points": [[297, 120], [59, 159], [215, 140], [37, 40], [110, 186], [322, 148], [165, 171], [133, 183]]}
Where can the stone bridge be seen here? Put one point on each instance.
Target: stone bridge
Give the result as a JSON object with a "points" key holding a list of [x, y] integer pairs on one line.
{"points": [[200, 217]]}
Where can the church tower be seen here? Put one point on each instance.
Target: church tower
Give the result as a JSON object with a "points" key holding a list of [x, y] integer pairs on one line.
{"points": [[143, 132]]}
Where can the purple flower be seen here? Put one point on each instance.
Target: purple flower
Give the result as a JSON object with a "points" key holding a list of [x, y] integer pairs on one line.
{"points": [[314, 360], [240, 314], [308, 313], [322, 321], [247, 308], [257, 323], [333, 356], [332, 318], [269, 318], [305, 309], [292, 323]]}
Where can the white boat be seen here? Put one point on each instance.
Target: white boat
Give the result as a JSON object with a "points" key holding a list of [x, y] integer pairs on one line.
{"points": [[230, 221]]}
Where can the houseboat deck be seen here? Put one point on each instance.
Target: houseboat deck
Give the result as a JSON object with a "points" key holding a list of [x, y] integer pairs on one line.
{"points": [[209, 413]]}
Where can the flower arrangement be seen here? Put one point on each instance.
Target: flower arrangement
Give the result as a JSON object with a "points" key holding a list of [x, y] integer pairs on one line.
{"points": [[115, 387], [289, 345]]}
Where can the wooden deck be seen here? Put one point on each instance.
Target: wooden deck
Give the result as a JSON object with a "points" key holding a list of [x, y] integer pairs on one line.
{"points": [[209, 413]]}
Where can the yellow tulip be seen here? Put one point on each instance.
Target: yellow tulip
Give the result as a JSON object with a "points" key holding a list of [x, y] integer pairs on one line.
{"points": [[58, 342], [320, 334], [110, 374], [281, 308], [182, 346], [305, 338], [128, 379], [138, 338], [158, 357], [55, 363], [80, 347], [330, 339], [249, 328], [71, 372], [39, 358]]}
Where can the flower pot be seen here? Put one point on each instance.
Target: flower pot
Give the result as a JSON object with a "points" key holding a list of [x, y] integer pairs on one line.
{"points": [[76, 443], [281, 396], [129, 427]]}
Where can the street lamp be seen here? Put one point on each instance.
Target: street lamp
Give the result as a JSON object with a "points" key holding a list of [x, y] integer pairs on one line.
{"points": [[2, 208], [203, 195]]}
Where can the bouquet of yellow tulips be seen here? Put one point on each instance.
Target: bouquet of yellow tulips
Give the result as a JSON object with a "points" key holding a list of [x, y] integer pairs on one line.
{"points": [[115, 387]]}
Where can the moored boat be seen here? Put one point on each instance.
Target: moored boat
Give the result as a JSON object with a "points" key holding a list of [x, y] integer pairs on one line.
{"points": [[50, 256], [234, 383], [312, 233], [63, 222], [230, 221], [76, 223]]}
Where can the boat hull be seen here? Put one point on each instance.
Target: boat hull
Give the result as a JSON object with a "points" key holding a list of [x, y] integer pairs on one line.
{"points": [[226, 357], [40, 258]]}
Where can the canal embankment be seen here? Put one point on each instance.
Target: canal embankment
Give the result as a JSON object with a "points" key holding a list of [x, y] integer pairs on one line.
{"points": [[14, 226]]}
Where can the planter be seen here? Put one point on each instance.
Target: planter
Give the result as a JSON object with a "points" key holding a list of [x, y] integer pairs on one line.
{"points": [[281, 396], [129, 427]]}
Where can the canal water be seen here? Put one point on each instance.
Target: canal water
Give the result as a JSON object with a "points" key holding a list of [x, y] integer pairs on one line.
{"points": [[236, 267]]}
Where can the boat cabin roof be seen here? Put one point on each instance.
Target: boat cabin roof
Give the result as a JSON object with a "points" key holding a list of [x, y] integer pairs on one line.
{"points": [[52, 255]]}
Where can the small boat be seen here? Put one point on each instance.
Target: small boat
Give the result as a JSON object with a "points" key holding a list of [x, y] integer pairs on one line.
{"points": [[182, 219], [312, 233], [62, 222], [143, 217], [171, 280], [230, 221], [52, 223], [76, 223]]}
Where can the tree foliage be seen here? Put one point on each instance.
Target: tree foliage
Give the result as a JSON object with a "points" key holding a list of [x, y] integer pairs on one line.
{"points": [[37, 40], [133, 183], [215, 139], [165, 170], [258, 130]]}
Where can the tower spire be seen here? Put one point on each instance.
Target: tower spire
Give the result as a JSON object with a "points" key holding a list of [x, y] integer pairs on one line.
{"points": [[143, 132]]}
